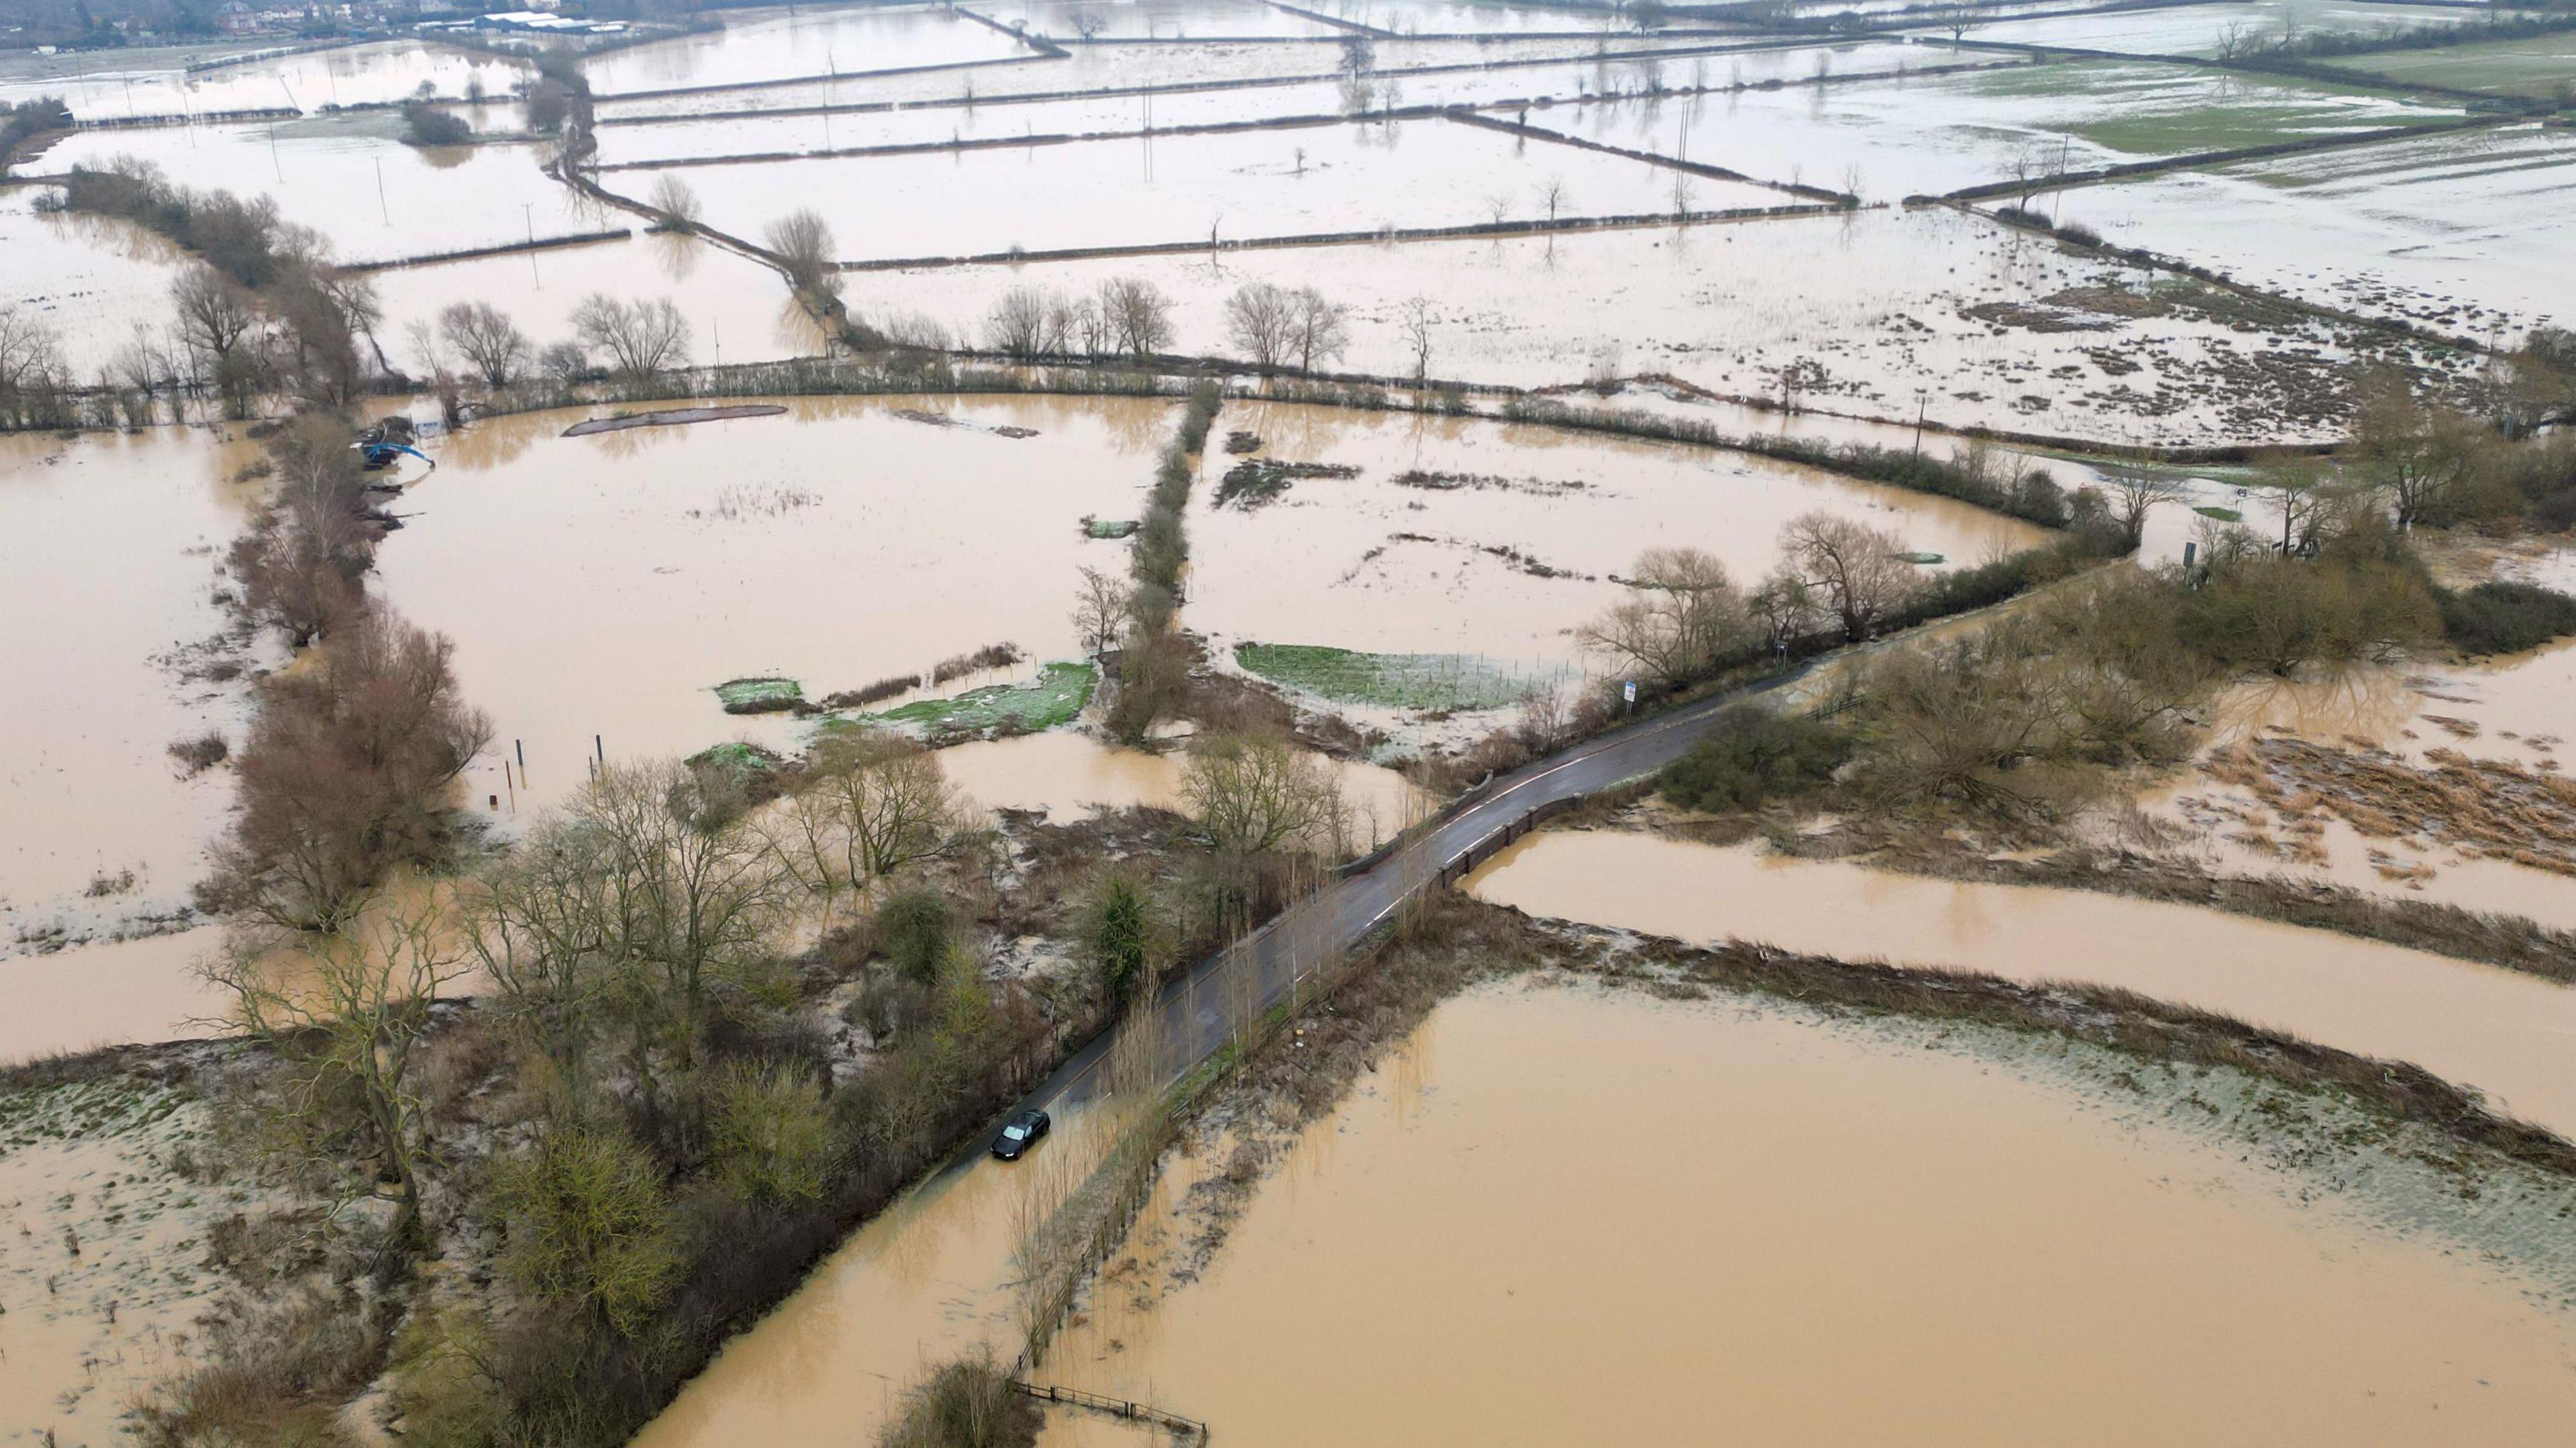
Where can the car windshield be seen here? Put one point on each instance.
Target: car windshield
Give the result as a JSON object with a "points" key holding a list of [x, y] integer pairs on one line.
{"points": [[1014, 1133]]}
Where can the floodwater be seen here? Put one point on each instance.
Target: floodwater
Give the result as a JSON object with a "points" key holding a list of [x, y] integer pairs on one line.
{"points": [[2514, 711], [104, 84], [2506, 1033], [924, 1282], [108, 995], [604, 585], [737, 309], [1565, 1216], [1067, 774], [1366, 563], [760, 46], [108, 552], [93, 280], [1234, 186], [353, 180], [103, 1279], [1876, 303], [1941, 133], [2203, 29], [2463, 232]]}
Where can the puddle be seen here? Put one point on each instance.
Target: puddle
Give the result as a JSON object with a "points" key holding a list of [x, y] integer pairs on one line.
{"points": [[2503, 1032]]}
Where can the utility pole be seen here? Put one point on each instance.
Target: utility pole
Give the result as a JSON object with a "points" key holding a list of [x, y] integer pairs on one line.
{"points": [[1922, 406]]}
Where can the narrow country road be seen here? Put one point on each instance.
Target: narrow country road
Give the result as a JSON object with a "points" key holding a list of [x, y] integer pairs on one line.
{"points": [[1195, 1013]]}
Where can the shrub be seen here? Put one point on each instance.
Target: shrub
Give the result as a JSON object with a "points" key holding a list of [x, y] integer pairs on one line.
{"points": [[2505, 618], [914, 929], [773, 1139], [969, 1403], [427, 125], [588, 1225], [1752, 755]]}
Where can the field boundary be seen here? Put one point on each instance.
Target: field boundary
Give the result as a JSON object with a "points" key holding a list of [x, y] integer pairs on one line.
{"points": [[2204, 160]]}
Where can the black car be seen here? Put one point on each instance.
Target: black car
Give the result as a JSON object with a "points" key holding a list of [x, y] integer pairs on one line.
{"points": [[1020, 1133]]}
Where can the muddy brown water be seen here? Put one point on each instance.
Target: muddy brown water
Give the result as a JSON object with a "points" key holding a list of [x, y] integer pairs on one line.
{"points": [[1067, 774], [2506, 1033], [108, 552], [1562, 1216], [1369, 562]]}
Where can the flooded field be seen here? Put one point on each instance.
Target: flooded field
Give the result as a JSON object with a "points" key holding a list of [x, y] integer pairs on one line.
{"points": [[737, 309], [108, 85], [2501, 1031], [1459, 535], [1106, 67], [1942, 133], [1554, 1209], [1159, 20], [1620, 86], [605, 585], [2460, 232], [2540, 67], [1068, 774], [90, 279], [2205, 29], [1876, 311], [1332, 178], [756, 46], [353, 180], [114, 540], [2512, 713]]}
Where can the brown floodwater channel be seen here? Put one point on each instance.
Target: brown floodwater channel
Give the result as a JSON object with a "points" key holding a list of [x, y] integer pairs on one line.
{"points": [[2506, 1033], [1565, 1215]]}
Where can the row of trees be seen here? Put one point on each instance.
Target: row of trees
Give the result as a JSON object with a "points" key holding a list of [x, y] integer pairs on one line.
{"points": [[1685, 616], [1123, 318]]}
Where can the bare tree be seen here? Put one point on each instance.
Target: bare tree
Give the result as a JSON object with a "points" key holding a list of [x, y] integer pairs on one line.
{"points": [[1255, 793], [639, 338], [1137, 315], [215, 312], [1319, 329], [802, 241], [1498, 207], [1099, 609], [1025, 322], [346, 1020], [1261, 319], [1681, 615], [1856, 570], [1783, 607], [870, 805], [1415, 322], [1553, 196], [489, 341], [1088, 22], [344, 775], [678, 203], [2425, 460], [2135, 488]]}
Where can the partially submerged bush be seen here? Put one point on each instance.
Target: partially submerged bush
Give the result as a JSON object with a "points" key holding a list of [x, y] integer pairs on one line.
{"points": [[915, 929], [2505, 618], [426, 125], [969, 1403]]}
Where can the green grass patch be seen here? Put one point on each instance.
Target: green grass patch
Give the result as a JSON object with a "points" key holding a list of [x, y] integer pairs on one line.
{"points": [[759, 696], [739, 756], [2224, 515], [2541, 67], [1397, 681], [1109, 527], [1925, 560], [1054, 698]]}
